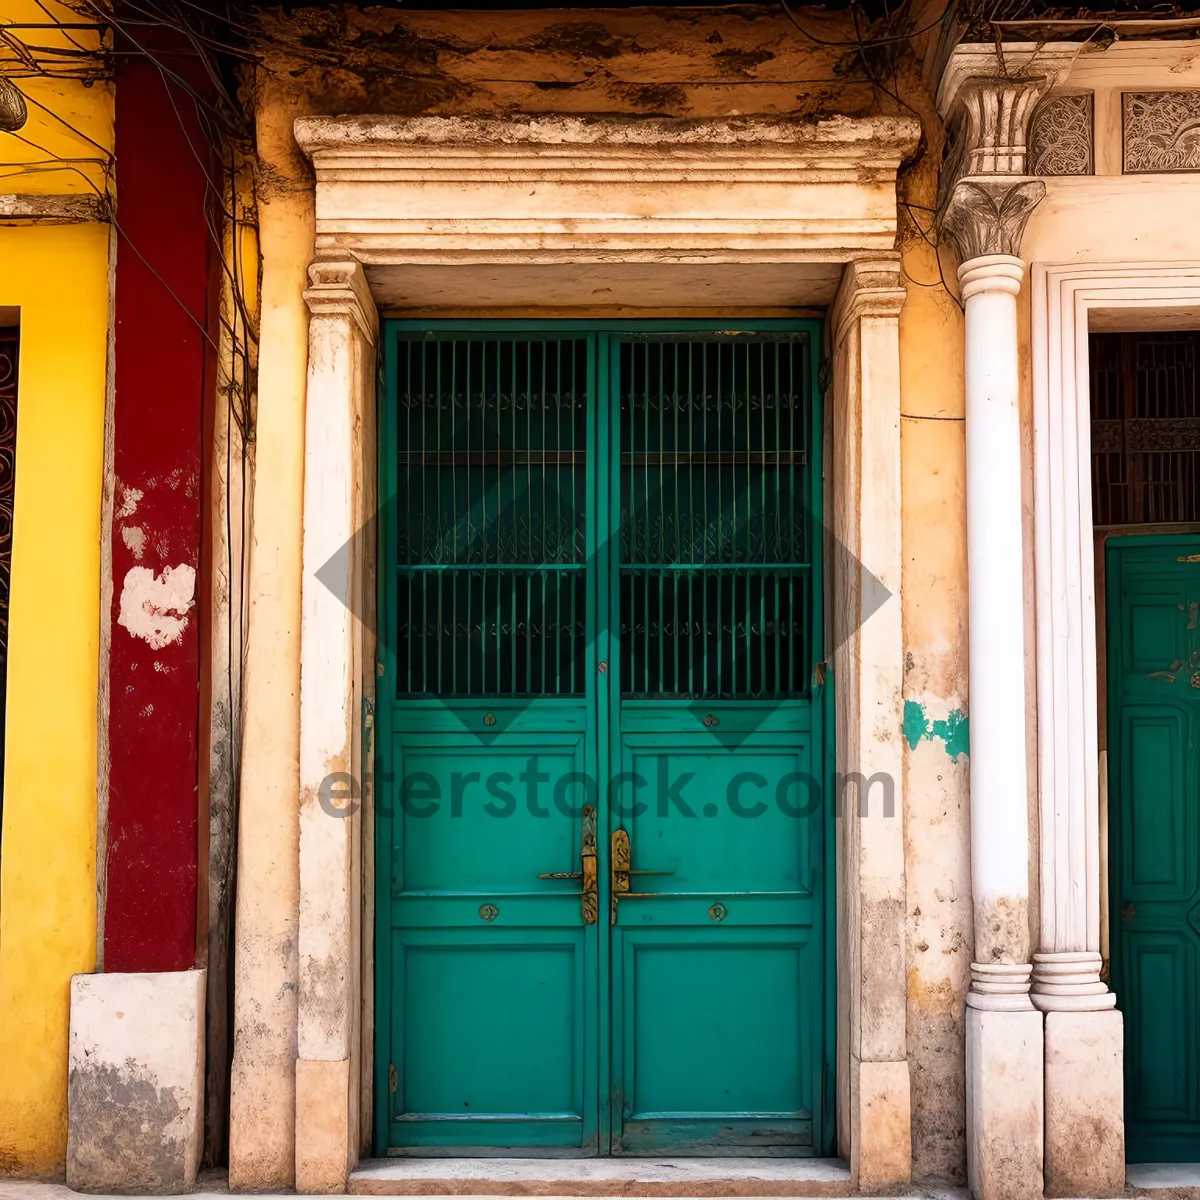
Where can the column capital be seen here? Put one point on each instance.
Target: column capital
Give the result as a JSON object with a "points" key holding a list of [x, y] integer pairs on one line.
{"points": [[987, 215], [338, 287], [986, 98], [870, 287]]}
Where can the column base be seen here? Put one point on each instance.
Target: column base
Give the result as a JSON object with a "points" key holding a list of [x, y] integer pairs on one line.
{"points": [[881, 1146], [1085, 1110], [323, 1141], [1005, 1104]]}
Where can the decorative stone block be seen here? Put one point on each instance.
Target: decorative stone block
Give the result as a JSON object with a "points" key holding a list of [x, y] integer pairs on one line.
{"points": [[1161, 131], [135, 1085], [1085, 1117], [1005, 1104], [1060, 135]]}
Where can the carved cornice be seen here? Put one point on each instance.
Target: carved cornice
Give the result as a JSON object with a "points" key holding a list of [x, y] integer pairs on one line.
{"points": [[987, 99], [547, 189], [987, 214], [870, 287], [338, 287]]}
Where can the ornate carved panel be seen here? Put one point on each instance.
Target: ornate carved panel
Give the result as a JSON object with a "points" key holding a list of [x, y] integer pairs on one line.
{"points": [[1162, 131], [1060, 136]]}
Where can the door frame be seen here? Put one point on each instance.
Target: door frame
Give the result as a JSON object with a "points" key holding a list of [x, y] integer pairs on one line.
{"points": [[603, 419], [334, 1071]]}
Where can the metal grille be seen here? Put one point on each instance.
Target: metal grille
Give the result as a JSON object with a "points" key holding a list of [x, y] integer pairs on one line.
{"points": [[1145, 428], [492, 539], [715, 535]]}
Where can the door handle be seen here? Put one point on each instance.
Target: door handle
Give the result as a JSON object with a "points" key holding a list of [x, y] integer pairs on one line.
{"points": [[1127, 911], [587, 860], [622, 858]]}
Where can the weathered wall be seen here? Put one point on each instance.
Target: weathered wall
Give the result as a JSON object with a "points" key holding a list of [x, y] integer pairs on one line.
{"points": [[59, 279], [936, 786], [160, 351], [667, 62]]}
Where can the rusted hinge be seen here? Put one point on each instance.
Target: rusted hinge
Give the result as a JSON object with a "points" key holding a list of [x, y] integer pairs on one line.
{"points": [[391, 1077]]}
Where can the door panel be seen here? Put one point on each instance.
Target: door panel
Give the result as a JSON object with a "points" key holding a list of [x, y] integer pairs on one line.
{"points": [[1154, 737], [717, 948], [491, 972], [599, 604]]}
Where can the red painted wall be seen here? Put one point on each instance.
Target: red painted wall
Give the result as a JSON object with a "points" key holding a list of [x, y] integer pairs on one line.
{"points": [[161, 357]]}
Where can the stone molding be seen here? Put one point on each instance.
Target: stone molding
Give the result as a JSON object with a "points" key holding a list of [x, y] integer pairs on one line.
{"points": [[1000, 987], [570, 189], [338, 287], [871, 287], [1065, 301]]}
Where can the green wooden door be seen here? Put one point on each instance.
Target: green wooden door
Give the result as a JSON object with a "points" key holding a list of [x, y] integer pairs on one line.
{"points": [[602, 897], [1153, 598]]}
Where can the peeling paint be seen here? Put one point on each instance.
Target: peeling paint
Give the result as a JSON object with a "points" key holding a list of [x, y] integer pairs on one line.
{"points": [[954, 731], [154, 607], [129, 502], [134, 537]]}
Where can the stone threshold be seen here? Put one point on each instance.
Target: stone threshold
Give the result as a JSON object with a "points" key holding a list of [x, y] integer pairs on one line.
{"points": [[1164, 1181], [649, 1177]]}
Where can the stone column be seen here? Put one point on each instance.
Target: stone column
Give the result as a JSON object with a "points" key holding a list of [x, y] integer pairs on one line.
{"points": [[334, 657], [985, 201], [873, 1076], [1068, 1073]]}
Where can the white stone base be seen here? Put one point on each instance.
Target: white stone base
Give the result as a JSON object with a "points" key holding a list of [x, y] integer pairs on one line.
{"points": [[1085, 1115], [135, 1086], [1004, 1104]]}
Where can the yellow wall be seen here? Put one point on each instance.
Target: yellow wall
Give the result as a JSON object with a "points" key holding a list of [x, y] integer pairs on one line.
{"points": [[58, 277], [65, 149]]}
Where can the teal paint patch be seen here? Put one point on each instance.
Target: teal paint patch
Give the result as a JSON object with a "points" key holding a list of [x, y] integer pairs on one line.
{"points": [[954, 731]]}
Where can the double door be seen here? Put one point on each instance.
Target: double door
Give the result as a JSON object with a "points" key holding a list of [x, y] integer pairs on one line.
{"points": [[602, 902]]}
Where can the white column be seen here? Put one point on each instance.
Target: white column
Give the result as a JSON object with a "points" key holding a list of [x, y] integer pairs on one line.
{"points": [[1004, 1031], [1075, 1084], [999, 788], [986, 200]]}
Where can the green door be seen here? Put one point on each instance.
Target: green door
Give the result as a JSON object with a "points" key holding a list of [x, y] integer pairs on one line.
{"points": [[602, 896], [1153, 598]]}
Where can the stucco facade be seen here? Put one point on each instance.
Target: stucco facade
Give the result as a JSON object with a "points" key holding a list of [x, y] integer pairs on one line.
{"points": [[957, 236]]}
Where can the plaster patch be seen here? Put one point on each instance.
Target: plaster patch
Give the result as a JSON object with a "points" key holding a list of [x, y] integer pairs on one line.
{"points": [[954, 731], [134, 537], [154, 607], [129, 502]]}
